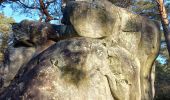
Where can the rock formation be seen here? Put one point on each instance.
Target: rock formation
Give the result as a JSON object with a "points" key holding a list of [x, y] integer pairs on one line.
{"points": [[109, 57]]}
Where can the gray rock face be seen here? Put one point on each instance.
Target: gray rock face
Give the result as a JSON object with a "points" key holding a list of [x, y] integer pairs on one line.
{"points": [[17, 58], [132, 42], [112, 60]]}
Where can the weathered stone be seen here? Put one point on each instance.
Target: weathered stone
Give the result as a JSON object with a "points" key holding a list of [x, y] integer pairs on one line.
{"points": [[117, 65], [132, 42], [70, 67], [17, 57], [33, 33], [29, 33]]}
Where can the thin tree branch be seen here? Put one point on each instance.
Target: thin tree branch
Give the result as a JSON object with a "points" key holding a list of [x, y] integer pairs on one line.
{"points": [[26, 6], [45, 11], [48, 3]]}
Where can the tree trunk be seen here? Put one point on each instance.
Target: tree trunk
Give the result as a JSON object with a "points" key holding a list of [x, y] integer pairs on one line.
{"points": [[165, 22]]}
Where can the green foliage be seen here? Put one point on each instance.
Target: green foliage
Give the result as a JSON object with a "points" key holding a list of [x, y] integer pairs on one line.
{"points": [[122, 3], [5, 29], [146, 8], [144, 5], [5, 23], [5, 20], [162, 82]]}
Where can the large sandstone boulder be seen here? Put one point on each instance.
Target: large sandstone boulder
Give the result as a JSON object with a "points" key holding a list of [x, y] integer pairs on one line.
{"points": [[16, 58], [19, 52], [112, 60], [127, 36], [29, 39]]}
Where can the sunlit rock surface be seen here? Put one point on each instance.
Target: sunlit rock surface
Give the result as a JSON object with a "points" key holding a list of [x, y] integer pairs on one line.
{"points": [[111, 60]]}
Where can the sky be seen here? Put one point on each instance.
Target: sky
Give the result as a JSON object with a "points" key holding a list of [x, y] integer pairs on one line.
{"points": [[7, 10], [15, 15]]}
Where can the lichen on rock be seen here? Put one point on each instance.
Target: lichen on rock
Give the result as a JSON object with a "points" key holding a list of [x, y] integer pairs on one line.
{"points": [[109, 56]]}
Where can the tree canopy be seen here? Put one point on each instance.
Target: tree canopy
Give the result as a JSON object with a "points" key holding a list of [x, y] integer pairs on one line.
{"points": [[5, 29], [48, 10]]}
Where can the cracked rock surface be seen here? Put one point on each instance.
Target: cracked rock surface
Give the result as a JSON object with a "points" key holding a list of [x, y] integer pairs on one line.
{"points": [[111, 59]]}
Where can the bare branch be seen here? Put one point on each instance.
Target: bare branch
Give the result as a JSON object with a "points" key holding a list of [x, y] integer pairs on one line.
{"points": [[45, 11], [48, 3], [26, 6]]}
